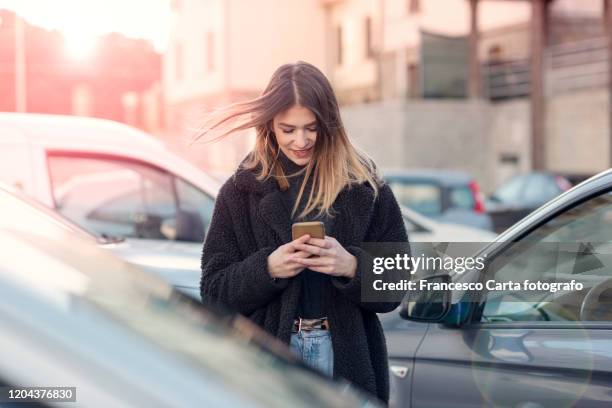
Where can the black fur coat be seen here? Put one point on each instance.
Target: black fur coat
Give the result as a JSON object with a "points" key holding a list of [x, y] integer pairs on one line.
{"points": [[250, 221]]}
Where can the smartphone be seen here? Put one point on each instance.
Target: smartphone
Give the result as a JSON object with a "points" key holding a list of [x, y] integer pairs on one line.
{"points": [[315, 229]]}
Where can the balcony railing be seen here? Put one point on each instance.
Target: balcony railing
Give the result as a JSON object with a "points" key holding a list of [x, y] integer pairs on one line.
{"points": [[506, 79], [567, 67], [577, 65]]}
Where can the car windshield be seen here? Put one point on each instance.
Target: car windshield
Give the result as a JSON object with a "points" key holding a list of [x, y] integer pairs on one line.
{"points": [[420, 196], [63, 268], [461, 196], [510, 191], [32, 206]]}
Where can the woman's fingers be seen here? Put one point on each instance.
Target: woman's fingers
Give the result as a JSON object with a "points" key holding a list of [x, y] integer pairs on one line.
{"points": [[330, 256], [292, 245], [311, 249], [323, 269], [319, 261], [321, 243], [301, 254], [315, 246]]}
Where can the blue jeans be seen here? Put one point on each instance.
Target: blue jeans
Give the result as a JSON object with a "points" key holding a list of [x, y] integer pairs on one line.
{"points": [[315, 348]]}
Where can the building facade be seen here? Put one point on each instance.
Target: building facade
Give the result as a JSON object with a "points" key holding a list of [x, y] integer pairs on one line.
{"points": [[410, 61], [223, 51]]}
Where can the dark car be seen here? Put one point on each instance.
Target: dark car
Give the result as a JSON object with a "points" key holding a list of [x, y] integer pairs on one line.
{"points": [[444, 195], [511, 348], [522, 194]]}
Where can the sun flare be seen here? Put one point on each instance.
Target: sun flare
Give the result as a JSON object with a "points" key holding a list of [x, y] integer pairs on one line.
{"points": [[82, 22], [79, 47]]}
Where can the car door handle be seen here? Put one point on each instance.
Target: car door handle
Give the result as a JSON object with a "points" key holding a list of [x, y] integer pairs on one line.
{"points": [[399, 371]]}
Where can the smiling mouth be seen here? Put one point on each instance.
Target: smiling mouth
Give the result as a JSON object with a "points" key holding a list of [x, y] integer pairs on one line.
{"points": [[302, 152]]}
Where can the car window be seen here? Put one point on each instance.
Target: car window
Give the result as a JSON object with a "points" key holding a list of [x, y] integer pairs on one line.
{"points": [[197, 205], [540, 189], [510, 191], [574, 246], [422, 197], [114, 197], [461, 197]]}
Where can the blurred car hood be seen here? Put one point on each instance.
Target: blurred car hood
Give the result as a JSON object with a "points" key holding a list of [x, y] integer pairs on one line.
{"points": [[459, 233], [434, 231]]}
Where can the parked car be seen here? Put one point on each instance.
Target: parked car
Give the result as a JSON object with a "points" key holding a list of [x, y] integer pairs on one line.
{"points": [[107, 177], [522, 194], [508, 348], [424, 229], [424, 234], [72, 315], [114, 181], [444, 195]]}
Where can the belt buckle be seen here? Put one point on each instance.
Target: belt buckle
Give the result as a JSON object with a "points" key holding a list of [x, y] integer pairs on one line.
{"points": [[311, 325]]}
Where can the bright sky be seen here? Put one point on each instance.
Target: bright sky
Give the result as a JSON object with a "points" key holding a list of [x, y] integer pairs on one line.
{"points": [[82, 21]]}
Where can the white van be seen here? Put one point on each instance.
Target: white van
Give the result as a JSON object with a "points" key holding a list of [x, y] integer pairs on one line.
{"points": [[114, 181]]}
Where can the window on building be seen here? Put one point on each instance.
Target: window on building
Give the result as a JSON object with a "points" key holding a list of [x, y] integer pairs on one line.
{"points": [[414, 6], [210, 52], [178, 62], [340, 45], [369, 51]]}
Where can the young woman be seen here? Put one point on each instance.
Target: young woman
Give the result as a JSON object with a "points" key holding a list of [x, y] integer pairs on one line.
{"points": [[307, 292]]}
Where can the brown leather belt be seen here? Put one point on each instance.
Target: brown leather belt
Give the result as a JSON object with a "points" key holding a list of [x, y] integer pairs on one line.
{"points": [[310, 324]]}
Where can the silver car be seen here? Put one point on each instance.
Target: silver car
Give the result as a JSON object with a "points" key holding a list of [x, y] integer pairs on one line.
{"points": [[509, 348]]}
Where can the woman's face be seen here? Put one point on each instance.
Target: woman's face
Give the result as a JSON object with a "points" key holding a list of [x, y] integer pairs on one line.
{"points": [[296, 133]]}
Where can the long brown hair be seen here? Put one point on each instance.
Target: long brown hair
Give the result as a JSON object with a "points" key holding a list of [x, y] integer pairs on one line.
{"points": [[335, 164]]}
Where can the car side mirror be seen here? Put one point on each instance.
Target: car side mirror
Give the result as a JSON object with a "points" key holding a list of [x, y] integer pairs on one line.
{"points": [[429, 304]]}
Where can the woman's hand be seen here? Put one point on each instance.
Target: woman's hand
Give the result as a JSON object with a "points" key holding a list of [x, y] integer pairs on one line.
{"points": [[331, 257], [282, 262]]}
